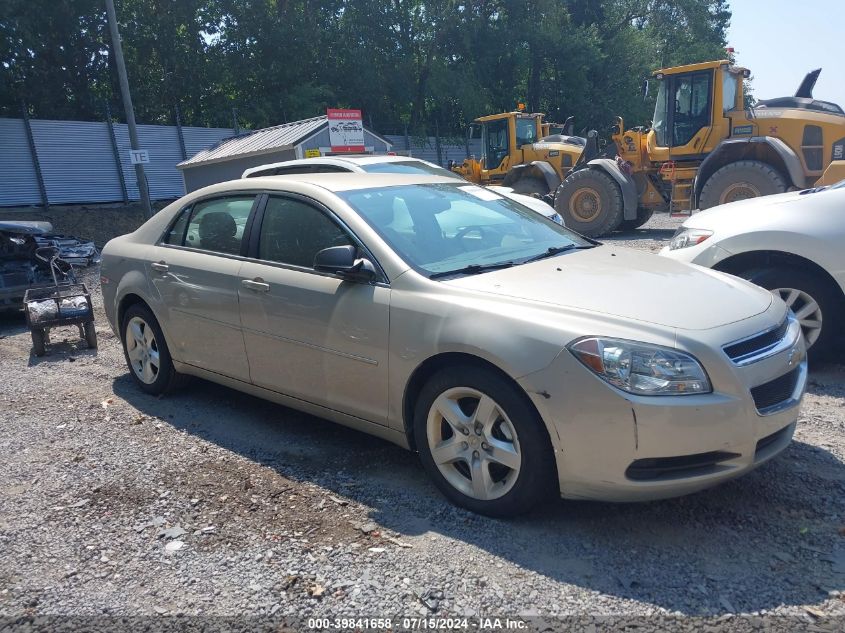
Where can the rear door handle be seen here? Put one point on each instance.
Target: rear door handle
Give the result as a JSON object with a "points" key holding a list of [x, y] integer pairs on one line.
{"points": [[160, 267], [257, 284]]}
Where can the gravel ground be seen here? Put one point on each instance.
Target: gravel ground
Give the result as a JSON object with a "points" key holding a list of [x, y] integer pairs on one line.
{"points": [[212, 502]]}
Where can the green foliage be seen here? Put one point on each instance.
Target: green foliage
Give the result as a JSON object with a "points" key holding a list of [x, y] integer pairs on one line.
{"points": [[406, 63]]}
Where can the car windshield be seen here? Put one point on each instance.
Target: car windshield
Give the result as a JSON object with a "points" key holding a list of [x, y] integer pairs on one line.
{"points": [[406, 167], [442, 228]]}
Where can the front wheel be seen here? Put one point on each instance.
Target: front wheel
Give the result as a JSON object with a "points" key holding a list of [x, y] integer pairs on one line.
{"points": [[815, 304], [590, 202], [643, 216], [483, 443]]}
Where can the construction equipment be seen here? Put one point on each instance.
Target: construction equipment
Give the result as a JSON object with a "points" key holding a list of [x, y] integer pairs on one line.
{"points": [[704, 148], [522, 151]]}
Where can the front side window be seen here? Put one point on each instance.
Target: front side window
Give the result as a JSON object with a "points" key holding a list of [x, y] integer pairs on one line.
{"points": [[526, 132], [692, 106], [218, 225], [660, 120], [293, 232], [729, 91], [445, 227], [495, 142]]}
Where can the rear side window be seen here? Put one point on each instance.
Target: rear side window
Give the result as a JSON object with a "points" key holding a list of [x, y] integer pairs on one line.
{"points": [[293, 232], [218, 225], [176, 234]]}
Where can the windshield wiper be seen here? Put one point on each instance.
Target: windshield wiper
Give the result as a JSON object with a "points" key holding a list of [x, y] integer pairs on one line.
{"points": [[472, 269], [556, 250]]}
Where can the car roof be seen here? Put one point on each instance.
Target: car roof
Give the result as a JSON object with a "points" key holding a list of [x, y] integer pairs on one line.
{"points": [[333, 182], [345, 160]]}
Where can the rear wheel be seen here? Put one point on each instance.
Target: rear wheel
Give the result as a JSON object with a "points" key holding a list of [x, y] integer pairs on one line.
{"points": [[482, 442], [590, 202], [817, 307], [146, 351], [643, 216], [739, 181], [530, 186]]}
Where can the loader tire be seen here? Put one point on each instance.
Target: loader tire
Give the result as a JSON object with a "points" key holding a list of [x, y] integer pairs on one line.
{"points": [[590, 202], [530, 186], [643, 216], [739, 181]]}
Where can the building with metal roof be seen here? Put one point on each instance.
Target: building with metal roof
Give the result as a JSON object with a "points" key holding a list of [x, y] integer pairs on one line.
{"points": [[228, 159]]}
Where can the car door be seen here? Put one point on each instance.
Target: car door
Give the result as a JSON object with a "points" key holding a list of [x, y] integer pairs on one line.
{"points": [[194, 270], [312, 335]]}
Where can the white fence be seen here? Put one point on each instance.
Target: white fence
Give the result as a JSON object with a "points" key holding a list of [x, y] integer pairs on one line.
{"points": [[81, 162]]}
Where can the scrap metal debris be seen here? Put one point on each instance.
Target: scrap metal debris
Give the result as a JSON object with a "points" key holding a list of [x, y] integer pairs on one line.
{"points": [[20, 269]]}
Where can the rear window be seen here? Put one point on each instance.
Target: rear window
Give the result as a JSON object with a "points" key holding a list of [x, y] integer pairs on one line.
{"points": [[407, 167]]}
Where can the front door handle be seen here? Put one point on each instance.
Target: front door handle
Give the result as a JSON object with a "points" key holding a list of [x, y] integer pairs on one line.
{"points": [[160, 267], [257, 284]]}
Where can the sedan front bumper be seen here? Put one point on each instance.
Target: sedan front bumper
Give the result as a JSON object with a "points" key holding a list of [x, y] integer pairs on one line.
{"points": [[615, 446]]}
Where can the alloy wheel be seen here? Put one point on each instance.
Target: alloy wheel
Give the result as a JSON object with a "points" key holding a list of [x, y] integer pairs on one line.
{"points": [[473, 443], [142, 350], [806, 309]]}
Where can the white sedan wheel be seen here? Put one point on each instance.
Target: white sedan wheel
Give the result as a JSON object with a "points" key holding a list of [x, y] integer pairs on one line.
{"points": [[806, 310]]}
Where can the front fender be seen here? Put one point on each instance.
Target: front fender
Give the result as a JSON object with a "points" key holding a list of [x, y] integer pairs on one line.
{"points": [[733, 149]]}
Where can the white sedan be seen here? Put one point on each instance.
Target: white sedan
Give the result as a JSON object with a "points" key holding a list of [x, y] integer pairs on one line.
{"points": [[382, 164], [792, 244]]}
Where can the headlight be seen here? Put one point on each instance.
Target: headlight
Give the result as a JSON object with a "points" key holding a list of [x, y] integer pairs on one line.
{"points": [[688, 237], [642, 369], [555, 217]]}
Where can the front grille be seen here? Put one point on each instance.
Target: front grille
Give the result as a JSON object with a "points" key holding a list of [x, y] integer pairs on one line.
{"points": [[775, 392], [757, 344], [676, 467]]}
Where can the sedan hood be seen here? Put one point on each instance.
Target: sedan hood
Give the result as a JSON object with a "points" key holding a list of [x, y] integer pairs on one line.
{"points": [[628, 284]]}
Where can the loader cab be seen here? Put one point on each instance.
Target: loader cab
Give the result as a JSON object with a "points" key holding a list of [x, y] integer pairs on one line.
{"points": [[690, 113], [502, 135]]}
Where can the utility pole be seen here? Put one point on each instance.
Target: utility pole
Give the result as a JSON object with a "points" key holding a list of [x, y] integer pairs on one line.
{"points": [[127, 106]]}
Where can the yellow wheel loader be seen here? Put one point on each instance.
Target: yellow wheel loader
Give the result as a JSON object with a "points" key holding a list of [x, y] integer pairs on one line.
{"points": [[703, 149], [522, 151]]}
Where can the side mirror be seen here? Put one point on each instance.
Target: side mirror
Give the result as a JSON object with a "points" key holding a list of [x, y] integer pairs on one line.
{"points": [[343, 261]]}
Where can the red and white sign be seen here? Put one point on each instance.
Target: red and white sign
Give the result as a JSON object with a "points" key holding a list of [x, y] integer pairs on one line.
{"points": [[346, 130]]}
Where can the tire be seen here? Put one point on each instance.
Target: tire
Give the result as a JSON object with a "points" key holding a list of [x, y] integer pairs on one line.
{"points": [[795, 287], [530, 186], [739, 181], [90, 334], [643, 216], [511, 491], [590, 202], [164, 378], [39, 341]]}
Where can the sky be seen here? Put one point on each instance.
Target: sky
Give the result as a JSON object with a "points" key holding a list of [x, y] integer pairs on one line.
{"points": [[780, 41]]}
